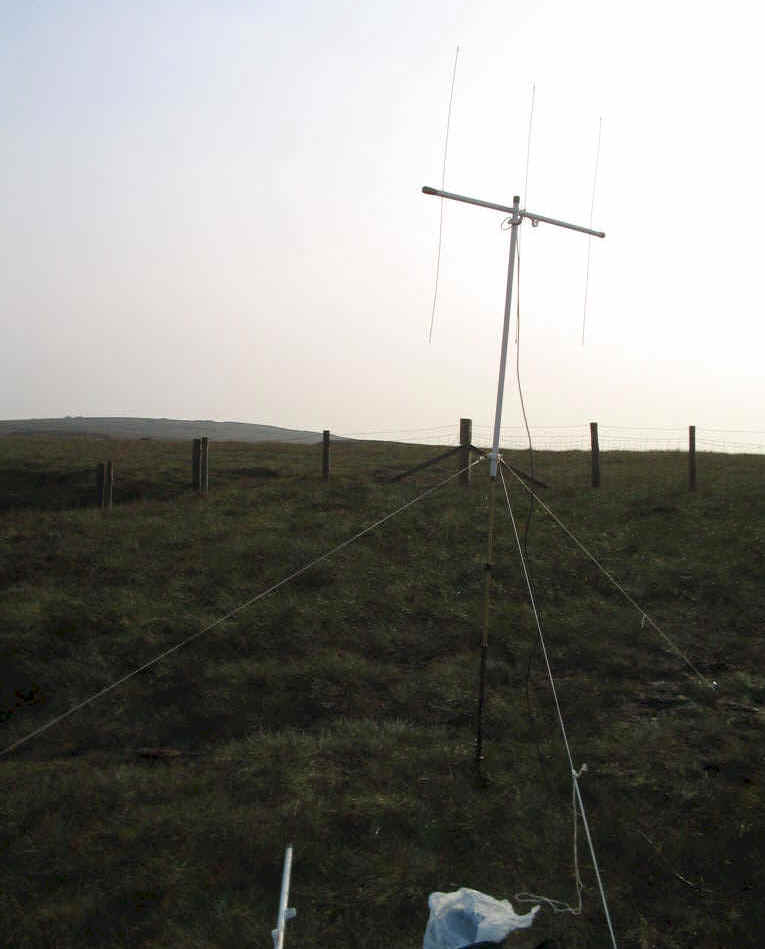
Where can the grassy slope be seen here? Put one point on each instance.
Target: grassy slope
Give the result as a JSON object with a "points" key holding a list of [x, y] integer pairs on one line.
{"points": [[338, 713], [164, 428]]}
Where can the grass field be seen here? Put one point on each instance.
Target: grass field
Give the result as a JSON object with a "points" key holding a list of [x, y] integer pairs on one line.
{"points": [[338, 713]]}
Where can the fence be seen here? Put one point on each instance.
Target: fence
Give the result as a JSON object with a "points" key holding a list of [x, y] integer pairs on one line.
{"points": [[602, 456], [667, 457], [598, 449]]}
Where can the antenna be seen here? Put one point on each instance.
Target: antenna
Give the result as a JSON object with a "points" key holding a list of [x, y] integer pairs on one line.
{"points": [[516, 217]]}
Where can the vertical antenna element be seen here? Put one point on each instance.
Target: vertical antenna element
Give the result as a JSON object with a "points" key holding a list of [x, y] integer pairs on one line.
{"points": [[525, 196], [518, 290], [443, 186], [589, 240], [528, 143]]}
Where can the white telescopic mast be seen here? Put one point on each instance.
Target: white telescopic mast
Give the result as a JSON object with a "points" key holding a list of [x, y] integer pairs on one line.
{"points": [[515, 220]]}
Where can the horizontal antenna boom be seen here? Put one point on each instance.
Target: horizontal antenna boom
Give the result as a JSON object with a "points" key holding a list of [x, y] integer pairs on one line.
{"points": [[531, 215]]}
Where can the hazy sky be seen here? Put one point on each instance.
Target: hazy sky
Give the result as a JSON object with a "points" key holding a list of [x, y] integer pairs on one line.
{"points": [[213, 210]]}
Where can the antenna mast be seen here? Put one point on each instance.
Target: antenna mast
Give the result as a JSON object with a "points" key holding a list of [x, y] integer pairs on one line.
{"points": [[516, 217]]}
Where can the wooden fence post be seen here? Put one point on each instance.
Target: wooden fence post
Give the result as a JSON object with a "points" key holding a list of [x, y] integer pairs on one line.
{"points": [[195, 464], [100, 475], [595, 454], [691, 457], [466, 440], [325, 456], [108, 485], [203, 465]]}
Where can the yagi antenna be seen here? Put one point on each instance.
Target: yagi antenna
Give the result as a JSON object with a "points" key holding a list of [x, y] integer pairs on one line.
{"points": [[516, 217]]}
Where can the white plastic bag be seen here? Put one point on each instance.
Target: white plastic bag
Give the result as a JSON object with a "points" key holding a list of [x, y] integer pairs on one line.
{"points": [[466, 916]]}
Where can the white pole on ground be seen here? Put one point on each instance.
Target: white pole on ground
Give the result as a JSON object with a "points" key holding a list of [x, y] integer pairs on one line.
{"points": [[285, 914]]}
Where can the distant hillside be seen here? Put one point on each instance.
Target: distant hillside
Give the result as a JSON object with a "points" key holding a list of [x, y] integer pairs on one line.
{"points": [[161, 428]]}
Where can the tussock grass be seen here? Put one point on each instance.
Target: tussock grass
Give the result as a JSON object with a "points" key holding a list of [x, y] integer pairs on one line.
{"points": [[338, 713]]}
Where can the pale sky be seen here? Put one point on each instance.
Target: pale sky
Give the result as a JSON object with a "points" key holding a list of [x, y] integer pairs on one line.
{"points": [[213, 209]]}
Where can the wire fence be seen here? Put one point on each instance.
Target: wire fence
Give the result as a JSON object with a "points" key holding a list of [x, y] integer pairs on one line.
{"points": [[577, 438], [64, 472], [655, 458]]}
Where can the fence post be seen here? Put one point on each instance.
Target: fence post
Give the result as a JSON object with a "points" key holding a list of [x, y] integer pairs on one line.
{"points": [[108, 485], [466, 440], [203, 466], [325, 455], [595, 454], [100, 476], [691, 457], [195, 464]]}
